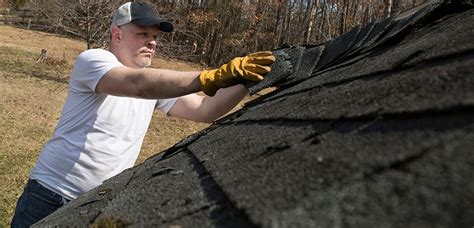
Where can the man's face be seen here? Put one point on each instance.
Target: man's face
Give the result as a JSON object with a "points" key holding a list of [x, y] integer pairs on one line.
{"points": [[138, 44]]}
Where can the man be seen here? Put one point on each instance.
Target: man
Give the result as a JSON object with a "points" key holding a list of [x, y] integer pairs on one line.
{"points": [[110, 102]]}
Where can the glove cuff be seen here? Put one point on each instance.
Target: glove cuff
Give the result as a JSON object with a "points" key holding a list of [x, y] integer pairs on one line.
{"points": [[206, 79]]}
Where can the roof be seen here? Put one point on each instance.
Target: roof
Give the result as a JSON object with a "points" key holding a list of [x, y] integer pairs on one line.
{"points": [[374, 128]]}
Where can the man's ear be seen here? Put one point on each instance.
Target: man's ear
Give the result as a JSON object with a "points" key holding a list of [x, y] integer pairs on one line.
{"points": [[116, 33]]}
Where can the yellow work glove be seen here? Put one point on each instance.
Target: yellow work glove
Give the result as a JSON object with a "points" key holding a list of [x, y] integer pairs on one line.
{"points": [[251, 67]]}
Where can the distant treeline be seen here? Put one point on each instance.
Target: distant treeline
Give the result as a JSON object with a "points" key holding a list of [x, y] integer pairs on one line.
{"points": [[213, 31]]}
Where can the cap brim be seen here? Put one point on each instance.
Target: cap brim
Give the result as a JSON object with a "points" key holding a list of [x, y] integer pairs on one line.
{"points": [[162, 25]]}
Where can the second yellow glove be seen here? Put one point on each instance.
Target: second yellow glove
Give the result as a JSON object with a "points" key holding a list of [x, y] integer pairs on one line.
{"points": [[251, 67]]}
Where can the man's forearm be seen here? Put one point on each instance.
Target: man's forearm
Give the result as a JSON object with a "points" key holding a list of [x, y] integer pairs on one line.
{"points": [[149, 83], [224, 101], [159, 83]]}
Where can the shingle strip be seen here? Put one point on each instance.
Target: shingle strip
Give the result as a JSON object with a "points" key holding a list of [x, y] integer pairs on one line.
{"points": [[401, 27], [430, 88], [335, 48], [280, 69], [309, 60]]}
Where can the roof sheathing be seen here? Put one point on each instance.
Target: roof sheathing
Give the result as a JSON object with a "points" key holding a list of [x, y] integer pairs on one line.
{"points": [[382, 140]]}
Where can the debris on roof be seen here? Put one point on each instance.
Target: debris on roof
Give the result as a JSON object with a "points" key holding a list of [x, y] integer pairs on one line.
{"points": [[372, 129]]}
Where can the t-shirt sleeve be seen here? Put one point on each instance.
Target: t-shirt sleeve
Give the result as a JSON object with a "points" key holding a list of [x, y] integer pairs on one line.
{"points": [[90, 67], [166, 104]]}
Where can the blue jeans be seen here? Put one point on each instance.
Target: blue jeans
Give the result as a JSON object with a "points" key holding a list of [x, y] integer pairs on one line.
{"points": [[35, 203]]}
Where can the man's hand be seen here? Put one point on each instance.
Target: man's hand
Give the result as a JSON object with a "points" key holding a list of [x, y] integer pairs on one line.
{"points": [[251, 67]]}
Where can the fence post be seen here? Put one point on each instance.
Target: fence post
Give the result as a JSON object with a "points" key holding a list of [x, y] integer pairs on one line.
{"points": [[7, 13]]}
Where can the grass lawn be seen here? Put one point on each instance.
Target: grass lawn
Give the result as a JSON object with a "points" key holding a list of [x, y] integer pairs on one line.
{"points": [[31, 99]]}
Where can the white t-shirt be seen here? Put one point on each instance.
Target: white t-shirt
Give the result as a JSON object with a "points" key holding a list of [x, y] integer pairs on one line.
{"points": [[98, 135]]}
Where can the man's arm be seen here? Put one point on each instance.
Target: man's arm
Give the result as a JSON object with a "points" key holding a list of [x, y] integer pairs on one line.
{"points": [[148, 83], [207, 109], [158, 83]]}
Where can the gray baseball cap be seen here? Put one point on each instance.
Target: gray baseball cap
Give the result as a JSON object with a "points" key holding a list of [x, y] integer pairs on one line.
{"points": [[140, 14]]}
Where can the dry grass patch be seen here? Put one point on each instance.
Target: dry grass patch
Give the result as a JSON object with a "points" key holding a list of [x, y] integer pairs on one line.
{"points": [[59, 48], [29, 109]]}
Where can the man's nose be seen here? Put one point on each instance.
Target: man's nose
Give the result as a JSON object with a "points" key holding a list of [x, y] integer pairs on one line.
{"points": [[151, 43]]}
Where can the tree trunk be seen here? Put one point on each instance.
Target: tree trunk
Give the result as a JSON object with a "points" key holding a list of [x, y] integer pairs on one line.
{"points": [[392, 7], [311, 20], [396, 7], [321, 23], [343, 19]]}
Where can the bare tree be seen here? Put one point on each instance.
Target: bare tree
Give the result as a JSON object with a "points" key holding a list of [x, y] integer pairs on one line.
{"points": [[86, 19], [212, 31]]}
